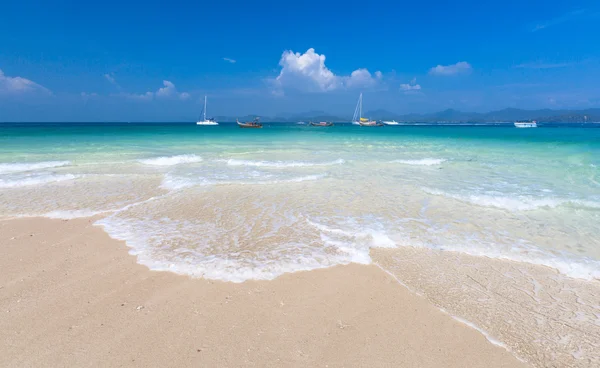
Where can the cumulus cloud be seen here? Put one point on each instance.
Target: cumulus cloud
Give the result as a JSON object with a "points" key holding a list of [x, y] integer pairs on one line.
{"points": [[232, 61], [361, 78], [454, 69], [168, 91], [308, 72], [18, 85], [412, 86]]}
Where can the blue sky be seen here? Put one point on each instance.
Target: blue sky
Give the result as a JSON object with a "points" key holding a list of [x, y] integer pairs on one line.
{"points": [[120, 61]]}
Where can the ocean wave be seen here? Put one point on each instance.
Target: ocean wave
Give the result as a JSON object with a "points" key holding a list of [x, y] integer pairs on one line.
{"points": [[579, 267], [515, 203], [213, 258], [14, 167], [38, 179], [173, 182], [421, 162], [282, 164], [340, 240], [348, 234], [170, 160]]}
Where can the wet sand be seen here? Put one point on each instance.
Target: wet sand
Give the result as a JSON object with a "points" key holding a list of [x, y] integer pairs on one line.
{"points": [[72, 296]]}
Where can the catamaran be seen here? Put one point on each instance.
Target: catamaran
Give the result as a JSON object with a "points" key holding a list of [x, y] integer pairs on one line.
{"points": [[357, 119], [205, 121]]}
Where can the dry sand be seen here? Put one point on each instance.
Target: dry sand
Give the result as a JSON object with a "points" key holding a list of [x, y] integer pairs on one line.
{"points": [[71, 296]]}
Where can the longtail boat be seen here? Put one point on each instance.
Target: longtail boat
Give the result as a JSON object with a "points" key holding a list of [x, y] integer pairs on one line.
{"points": [[250, 124]]}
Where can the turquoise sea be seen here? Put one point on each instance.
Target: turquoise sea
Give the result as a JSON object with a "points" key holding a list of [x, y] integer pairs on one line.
{"points": [[252, 204]]}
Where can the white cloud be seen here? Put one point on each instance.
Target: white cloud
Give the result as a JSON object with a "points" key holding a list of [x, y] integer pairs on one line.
{"points": [[138, 97], [168, 91], [567, 17], [544, 65], [412, 86], [458, 68], [361, 78], [18, 85], [308, 72], [111, 78], [232, 61]]}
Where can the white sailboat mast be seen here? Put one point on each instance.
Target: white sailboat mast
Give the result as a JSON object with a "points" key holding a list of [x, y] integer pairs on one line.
{"points": [[204, 107], [360, 116]]}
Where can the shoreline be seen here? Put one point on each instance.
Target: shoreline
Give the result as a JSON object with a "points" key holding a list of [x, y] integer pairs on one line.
{"points": [[71, 295]]}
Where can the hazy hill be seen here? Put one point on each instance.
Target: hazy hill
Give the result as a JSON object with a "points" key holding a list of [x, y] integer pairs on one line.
{"points": [[449, 115]]}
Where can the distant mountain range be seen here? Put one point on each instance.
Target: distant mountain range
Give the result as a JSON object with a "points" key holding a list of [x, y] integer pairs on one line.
{"points": [[450, 115]]}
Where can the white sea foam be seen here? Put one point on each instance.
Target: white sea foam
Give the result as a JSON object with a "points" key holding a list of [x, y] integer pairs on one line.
{"points": [[514, 203], [354, 239], [30, 166], [170, 160], [65, 214], [34, 179], [574, 266], [421, 162], [73, 214], [145, 237], [219, 259], [364, 235], [174, 182], [282, 164]]}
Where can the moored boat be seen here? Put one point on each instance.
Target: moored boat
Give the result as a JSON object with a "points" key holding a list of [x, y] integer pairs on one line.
{"points": [[249, 124], [393, 122], [205, 120], [526, 124], [321, 124], [369, 123], [357, 119]]}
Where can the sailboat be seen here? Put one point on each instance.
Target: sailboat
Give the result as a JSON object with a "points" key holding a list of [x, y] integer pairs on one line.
{"points": [[205, 121], [357, 119]]}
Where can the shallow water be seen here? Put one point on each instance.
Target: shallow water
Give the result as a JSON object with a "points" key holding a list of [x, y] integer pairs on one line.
{"points": [[235, 204]]}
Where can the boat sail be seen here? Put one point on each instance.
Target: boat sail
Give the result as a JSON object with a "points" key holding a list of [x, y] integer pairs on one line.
{"points": [[205, 121], [357, 119]]}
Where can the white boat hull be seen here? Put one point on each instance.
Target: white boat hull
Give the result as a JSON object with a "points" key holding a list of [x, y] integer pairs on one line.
{"points": [[207, 123], [390, 123], [526, 125]]}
